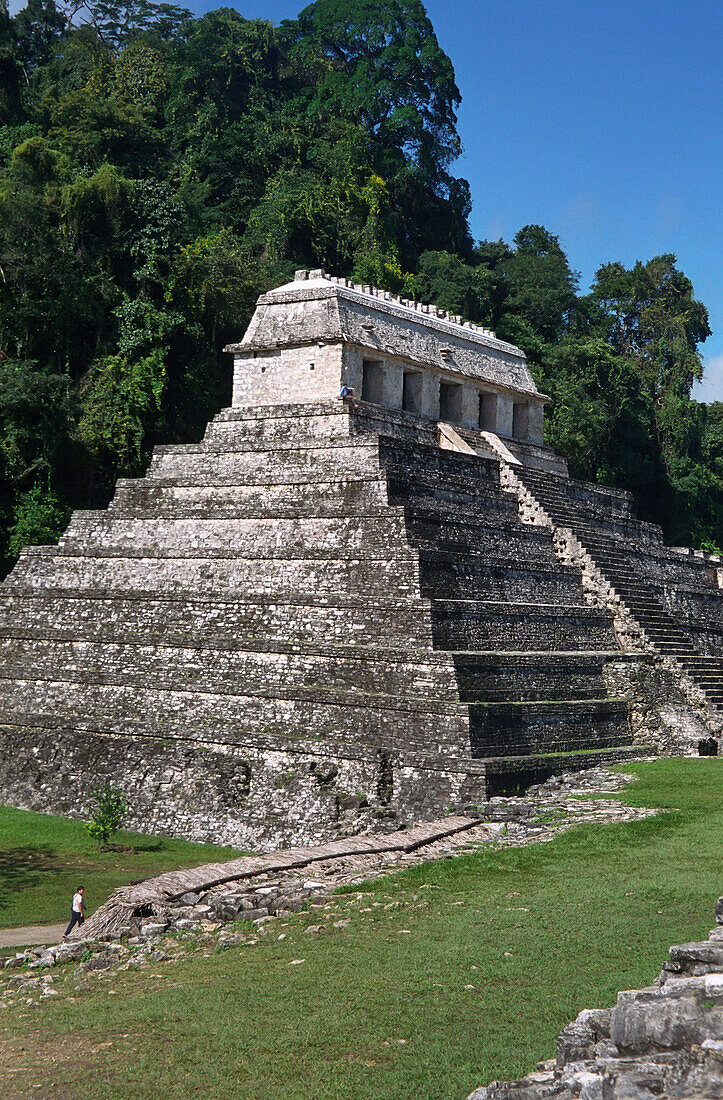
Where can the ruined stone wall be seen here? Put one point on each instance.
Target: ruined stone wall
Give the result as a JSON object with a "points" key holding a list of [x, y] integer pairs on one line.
{"points": [[246, 795], [664, 712]]}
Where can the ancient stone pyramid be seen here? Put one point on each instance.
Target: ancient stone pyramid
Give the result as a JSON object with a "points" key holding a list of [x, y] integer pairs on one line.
{"points": [[329, 615]]}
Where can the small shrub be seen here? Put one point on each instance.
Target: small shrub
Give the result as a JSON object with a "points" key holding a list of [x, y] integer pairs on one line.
{"points": [[109, 816]]}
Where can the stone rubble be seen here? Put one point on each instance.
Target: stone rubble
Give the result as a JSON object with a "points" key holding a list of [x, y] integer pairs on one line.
{"points": [[662, 1041]]}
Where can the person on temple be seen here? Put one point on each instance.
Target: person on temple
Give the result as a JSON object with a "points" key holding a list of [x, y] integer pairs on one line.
{"points": [[347, 391]]}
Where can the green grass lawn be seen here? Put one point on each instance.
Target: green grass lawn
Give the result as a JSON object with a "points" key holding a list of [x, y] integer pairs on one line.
{"points": [[43, 858], [448, 975]]}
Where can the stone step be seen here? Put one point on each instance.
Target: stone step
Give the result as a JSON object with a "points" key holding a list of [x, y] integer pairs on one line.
{"points": [[444, 487], [701, 673], [293, 540], [694, 622], [583, 491], [475, 579], [496, 508], [368, 417], [559, 496], [512, 775], [142, 746], [309, 496], [680, 647], [610, 533], [674, 638], [416, 460], [549, 726], [43, 679], [707, 679], [100, 534], [524, 556], [299, 674], [197, 465], [688, 623], [589, 507], [216, 622], [593, 518], [232, 573], [655, 587], [140, 499], [640, 570], [230, 719], [332, 457], [283, 430], [461, 624], [643, 573], [364, 418], [529, 676], [503, 542], [617, 549], [293, 429], [602, 529], [295, 411], [173, 762], [691, 605], [234, 670]]}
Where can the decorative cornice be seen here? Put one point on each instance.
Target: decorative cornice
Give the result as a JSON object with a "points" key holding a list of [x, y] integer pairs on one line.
{"points": [[383, 301]]}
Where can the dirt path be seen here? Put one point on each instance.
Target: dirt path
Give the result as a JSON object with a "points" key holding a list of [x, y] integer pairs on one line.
{"points": [[31, 934]]}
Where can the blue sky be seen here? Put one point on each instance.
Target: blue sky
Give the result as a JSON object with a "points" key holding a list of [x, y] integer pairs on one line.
{"points": [[600, 119]]}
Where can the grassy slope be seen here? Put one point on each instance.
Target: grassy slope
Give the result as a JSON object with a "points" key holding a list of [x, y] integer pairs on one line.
{"points": [[539, 933], [43, 859]]}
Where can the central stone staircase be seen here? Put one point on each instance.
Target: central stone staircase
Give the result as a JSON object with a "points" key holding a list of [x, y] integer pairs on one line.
{"points": [[673, 596], [528, 652]]}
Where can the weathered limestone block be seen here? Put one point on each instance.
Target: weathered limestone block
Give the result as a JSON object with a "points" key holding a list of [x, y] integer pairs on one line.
{"points": [[218, 575], [645, 1021]]}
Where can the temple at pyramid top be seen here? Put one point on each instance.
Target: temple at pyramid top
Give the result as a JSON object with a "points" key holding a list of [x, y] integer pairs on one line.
{"points": [[309, 337]]}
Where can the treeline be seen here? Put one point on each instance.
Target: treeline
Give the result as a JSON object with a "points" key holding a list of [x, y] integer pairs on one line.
{"points": [[159, 171]]}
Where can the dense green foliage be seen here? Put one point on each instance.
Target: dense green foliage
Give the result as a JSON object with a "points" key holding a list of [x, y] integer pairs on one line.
{"points": [[158, 171]]}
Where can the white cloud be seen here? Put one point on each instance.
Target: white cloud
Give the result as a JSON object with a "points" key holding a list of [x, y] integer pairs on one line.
{"points": [[711, 388], [15, 6]]}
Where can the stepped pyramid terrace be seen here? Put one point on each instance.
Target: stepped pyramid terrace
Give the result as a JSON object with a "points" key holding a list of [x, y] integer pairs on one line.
{"points": [[340, 614]]}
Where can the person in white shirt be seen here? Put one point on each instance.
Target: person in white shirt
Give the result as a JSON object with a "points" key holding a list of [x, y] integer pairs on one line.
{"points": [[77, 911]]}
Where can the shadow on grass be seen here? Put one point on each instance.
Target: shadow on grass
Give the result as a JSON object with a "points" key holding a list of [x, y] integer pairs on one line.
{"points": [[23, 868], [130, 849]]}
